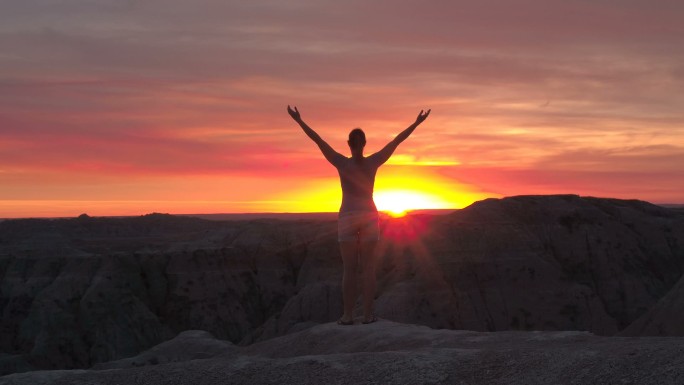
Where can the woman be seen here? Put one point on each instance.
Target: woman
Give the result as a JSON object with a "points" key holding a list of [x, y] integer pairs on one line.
{"points": [[358, 219]]}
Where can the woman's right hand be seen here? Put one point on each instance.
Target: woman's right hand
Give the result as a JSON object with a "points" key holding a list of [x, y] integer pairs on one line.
{"points": [[422, 116]]}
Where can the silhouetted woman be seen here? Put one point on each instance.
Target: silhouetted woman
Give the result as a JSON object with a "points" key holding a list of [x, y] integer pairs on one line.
{"points": [[357, 227]]}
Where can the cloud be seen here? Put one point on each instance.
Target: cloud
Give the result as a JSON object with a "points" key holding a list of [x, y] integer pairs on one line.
{"points": [[163, 88], [648, 172]]}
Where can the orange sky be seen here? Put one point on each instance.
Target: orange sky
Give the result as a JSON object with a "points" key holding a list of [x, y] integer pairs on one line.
{"points": [[126, 108]]}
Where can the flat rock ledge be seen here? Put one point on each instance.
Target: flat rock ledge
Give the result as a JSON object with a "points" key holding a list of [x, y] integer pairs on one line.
{"points": [[390, 352]]}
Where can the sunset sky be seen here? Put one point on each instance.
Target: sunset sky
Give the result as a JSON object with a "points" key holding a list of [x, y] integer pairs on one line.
{"points": [[113, 107]]}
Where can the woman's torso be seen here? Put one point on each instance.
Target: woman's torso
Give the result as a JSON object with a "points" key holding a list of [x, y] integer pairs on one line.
{"points": [[357, 179]]}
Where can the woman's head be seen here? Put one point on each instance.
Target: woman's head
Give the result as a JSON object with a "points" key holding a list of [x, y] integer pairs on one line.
{"points": [[357, 139]]}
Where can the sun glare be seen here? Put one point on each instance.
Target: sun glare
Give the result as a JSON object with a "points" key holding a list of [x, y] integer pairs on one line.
{"points": [[397, 191], [398, 202]]}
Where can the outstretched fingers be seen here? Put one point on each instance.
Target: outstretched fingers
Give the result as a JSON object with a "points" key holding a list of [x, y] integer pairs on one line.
{"points": [[422, 115], [293, 113]]}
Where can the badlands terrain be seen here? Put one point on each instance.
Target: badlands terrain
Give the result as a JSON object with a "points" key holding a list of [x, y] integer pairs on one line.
{"points": [[528, 289]]}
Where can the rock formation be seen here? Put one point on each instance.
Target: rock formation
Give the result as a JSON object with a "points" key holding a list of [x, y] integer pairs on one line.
{"points": [[390, 353], [666, 318], [85, 291], [537, 263]]}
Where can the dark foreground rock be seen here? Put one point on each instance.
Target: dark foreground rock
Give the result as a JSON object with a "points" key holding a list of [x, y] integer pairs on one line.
{"points": [[388, 352], [666, 318], [87, 291]]}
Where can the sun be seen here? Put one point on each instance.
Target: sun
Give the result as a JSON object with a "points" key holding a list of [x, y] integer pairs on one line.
{"points": [[397, 191], [398, 202]]}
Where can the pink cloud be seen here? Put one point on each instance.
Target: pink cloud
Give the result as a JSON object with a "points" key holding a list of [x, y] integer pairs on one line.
{"points": [[527, 96], [659, 187]]}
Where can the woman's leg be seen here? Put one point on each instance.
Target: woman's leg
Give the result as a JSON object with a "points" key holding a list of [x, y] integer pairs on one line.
{"points": [[350, 254], [367, 257]]}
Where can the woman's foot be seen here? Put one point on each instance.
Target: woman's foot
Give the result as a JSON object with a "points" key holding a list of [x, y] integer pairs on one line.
{"points": [[344, 322], [370, 320]]}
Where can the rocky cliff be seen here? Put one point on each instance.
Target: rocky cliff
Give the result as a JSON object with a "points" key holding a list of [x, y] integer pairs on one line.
{"points": [[83, 291]]}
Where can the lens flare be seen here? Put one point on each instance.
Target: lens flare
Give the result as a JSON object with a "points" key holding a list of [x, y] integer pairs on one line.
{"points": [[398, 202]]}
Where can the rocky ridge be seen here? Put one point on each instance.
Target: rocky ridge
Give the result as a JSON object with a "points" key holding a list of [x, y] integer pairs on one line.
{"points": [[87, 291]]}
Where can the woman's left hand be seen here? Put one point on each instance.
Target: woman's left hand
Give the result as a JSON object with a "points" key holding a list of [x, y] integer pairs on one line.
{"points": [[294, 113]]}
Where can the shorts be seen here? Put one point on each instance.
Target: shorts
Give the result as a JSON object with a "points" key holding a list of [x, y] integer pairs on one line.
{"points": [[358, 226]]}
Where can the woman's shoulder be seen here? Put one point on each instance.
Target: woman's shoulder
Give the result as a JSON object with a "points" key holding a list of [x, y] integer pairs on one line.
{"points": [[373, 160]]}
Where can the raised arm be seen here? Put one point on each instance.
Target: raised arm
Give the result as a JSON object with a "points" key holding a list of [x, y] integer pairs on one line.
{"points": [[383, 155], [331, 155]]}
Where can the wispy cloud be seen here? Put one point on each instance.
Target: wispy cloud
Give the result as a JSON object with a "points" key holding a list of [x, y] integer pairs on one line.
{"points": [[527, 96]]}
